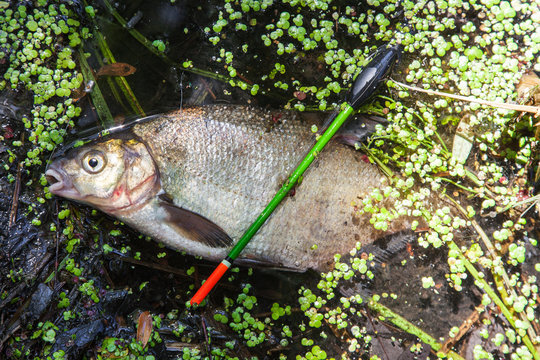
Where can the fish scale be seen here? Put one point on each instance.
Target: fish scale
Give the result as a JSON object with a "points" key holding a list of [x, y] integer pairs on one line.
{"points": [[243, 163]]}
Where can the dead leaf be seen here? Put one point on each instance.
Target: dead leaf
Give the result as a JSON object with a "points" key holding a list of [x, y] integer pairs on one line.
{"points": [[144, 330], [116, 69], [81, 92], [463, 141], [300, 95], [528, 85]]}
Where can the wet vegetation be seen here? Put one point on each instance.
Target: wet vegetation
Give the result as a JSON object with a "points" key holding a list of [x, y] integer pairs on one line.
{"points": [[463, 283]]}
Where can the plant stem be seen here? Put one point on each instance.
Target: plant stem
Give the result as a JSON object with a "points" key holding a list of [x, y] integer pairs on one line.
{"points": [[406, 326], [481, 283], [459, 186], [385, 169], [112, 85], [500, 285], [532, 199], [523, 108], [97, 97]]}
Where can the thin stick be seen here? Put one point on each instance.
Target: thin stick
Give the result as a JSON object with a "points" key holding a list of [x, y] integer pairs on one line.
{"points": [[151, 265], [516, 107], [463, 329], [97, 97], [56, 242], [207, 342], [15, 199]]}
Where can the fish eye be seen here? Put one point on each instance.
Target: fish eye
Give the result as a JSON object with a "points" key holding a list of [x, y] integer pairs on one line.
{"points": [[94, 161]]}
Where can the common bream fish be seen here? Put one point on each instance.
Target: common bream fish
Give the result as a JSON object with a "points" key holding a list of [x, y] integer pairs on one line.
{"points": [[196, 178]]}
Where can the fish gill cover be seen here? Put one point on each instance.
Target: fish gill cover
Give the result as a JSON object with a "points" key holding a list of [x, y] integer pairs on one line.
{"points": [[76, 284]]}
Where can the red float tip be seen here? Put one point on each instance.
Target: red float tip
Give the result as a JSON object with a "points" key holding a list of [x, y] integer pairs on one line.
{"points": [[210, 283]]}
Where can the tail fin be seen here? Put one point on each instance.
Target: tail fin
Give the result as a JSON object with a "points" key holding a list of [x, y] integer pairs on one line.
{"points": [[382, 250]]}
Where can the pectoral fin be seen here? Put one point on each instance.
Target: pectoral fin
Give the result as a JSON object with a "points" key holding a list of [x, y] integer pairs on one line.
{"points": [[194, 226]]}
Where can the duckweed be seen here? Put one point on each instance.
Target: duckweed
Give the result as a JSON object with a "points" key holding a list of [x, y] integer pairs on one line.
{"points": [[28, 41], [445, 52]]}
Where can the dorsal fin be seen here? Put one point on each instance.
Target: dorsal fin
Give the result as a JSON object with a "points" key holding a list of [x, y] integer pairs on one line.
{"points": [[357, 130], [194, 226]]}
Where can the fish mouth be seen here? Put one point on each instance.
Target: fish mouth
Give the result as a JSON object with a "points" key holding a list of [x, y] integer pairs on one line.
{"points": [[60, 184]]}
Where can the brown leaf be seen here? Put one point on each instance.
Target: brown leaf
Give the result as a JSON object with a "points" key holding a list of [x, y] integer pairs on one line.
{"points": [[528, 85], [300, 95], [144, 330], [78, 94], [116, 69]]}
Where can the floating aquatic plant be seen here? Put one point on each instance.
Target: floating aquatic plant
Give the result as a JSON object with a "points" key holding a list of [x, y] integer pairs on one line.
{"points": [[468, 48]]}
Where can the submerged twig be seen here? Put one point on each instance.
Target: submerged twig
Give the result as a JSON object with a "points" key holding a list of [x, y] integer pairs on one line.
{"points": [[381, 345], [179, 346], [463, 329], [209, 89], [516, 107], [56, 243], [15, 199], [155, 266], [206, 341]]}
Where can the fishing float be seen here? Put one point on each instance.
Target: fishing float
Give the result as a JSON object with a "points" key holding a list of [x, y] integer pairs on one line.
{"points": [[365, 84]]}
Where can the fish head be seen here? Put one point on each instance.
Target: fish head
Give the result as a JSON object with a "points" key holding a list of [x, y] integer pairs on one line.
{"points": [[115, 175]]}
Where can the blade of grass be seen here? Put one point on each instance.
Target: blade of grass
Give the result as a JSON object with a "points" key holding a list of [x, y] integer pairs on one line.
{"points": [[112, 85], [406, 326], [504, 287], [485, 286], [120, 80], [482, 284], [98, 100], [148, 44], [385, 169]]}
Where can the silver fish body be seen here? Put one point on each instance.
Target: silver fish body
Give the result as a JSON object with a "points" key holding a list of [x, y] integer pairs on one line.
{"points": [[195, 179]]}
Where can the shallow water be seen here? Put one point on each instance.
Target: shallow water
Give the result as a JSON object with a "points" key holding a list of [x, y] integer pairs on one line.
{"points": [[161, 280]]}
